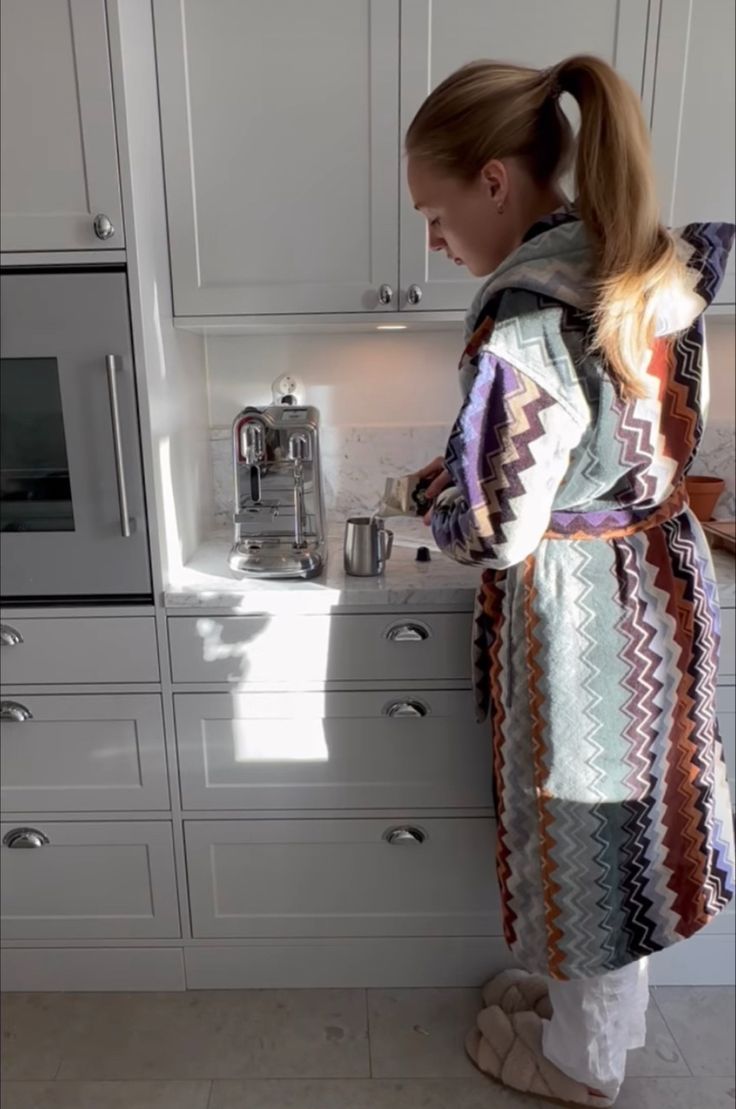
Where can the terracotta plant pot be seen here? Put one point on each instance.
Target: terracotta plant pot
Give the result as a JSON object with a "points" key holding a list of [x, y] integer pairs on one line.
{"points": [[704, 493]]}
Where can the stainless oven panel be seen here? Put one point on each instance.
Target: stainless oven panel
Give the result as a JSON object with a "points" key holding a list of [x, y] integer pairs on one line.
{"points": [[72, 507]]}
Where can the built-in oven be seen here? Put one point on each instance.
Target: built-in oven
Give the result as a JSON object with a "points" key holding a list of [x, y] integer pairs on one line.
{"points": [[72, 504]]}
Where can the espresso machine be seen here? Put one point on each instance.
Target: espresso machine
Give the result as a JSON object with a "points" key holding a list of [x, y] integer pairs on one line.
{"points": [[279, 504]]}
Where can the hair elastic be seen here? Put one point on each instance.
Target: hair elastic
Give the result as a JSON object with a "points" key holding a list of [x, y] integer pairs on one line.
{"points": [[555, 88]]}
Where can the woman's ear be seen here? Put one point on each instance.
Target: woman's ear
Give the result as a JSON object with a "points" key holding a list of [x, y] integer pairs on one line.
{"points": [[496, 179]]}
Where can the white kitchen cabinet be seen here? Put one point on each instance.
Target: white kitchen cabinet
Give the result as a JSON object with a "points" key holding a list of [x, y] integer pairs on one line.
{"points": [[59, 167], [88, 880], [281, 157], [372, 750], [59, 650], [726, 694], [438, 36], [82, 752], [282, 137], [283, 128], [282, 878], [694, 119], [292, 652], [727, 656], [726, 708]]}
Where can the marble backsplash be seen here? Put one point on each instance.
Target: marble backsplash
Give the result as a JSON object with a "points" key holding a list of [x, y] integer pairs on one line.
{"points": [[357, 460], [355, 464]]}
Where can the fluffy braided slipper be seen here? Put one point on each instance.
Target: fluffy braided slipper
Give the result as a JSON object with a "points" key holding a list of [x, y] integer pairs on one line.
{"points": [[508, 1047], [516, 991]]}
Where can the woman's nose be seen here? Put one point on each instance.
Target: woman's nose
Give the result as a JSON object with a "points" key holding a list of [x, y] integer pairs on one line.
{"points": [[436, 242]]}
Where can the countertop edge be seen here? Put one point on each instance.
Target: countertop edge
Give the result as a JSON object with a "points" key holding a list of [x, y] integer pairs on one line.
{"points": [[440, 584]]}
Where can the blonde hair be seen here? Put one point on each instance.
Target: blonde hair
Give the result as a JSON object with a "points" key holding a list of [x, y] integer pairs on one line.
{"points": [[490, 110]]}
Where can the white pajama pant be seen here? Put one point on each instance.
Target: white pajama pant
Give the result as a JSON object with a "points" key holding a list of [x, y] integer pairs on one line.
{"points": [[595, 1022]]}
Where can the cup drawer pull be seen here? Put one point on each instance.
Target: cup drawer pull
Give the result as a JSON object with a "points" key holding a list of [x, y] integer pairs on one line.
{"points": [[406, 709], [400, 837], [407, 633], [25, 837], [14, 712], [9, 637]]}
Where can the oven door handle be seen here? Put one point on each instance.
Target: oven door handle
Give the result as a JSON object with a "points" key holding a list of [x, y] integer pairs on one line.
{"points": [[117, 442]]}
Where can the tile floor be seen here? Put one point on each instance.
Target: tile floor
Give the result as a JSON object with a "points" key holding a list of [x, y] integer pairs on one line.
{"points": [[320, 1049]]}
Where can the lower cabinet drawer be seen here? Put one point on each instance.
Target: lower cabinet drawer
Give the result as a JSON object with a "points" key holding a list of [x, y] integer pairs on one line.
{"points": [[727, 659], [726, 708], [332, 750], [390, 877], [303, 650], [88, 881], [78, 649], [72, 753]]}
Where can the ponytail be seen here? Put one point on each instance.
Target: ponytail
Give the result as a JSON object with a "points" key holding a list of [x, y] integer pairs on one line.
{"points": [[489, 110], [635, 256]]}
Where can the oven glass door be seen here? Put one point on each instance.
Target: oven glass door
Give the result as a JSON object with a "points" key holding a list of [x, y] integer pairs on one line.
{"points": [[35, 491]]}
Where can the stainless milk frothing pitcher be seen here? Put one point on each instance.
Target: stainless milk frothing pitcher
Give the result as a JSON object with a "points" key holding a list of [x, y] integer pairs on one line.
{"points": [[368, 545]]}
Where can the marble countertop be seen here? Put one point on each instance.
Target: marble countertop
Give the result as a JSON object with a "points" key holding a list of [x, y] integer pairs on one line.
{"points": [[206, 582]]}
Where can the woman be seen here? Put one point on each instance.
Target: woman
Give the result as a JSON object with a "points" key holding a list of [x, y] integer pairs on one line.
{"points": [[597, 624]]}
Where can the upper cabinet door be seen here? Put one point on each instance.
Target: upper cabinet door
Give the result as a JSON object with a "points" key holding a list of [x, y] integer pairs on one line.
{"points": [[438, 36], [693, 119], [280, 137], [59, 167]]}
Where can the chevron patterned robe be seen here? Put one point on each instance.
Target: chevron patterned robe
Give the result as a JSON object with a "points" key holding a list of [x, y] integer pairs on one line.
{"points": [[597, 623]]}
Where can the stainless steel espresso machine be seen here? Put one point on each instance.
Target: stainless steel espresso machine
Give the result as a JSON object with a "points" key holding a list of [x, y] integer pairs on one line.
{"points": [[279, 503]]}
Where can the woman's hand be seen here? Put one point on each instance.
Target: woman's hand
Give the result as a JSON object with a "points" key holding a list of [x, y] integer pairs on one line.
{"points": [[436, 470]]}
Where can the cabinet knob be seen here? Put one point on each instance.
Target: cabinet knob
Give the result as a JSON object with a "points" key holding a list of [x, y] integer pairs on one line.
{"points": [[103, 225], [406, 708], [407, 633], [401, 837], [414, 294], [385, 294], [15, 712], [9, 637], [25, 838]]}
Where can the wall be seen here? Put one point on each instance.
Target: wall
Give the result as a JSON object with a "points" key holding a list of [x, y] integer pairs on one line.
{"points": [[387, 401], [173, 398]]}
